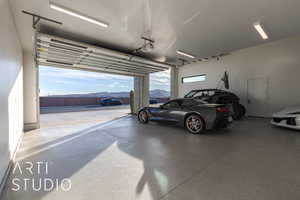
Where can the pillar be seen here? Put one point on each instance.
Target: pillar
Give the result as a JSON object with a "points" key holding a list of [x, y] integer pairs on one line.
{"points": [[31, 92], [141, 92], [174, 82]]}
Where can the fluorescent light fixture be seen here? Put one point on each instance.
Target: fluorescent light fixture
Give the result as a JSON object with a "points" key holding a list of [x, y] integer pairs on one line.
{"points": [[76, 14], [260, 30], [185, 54]]}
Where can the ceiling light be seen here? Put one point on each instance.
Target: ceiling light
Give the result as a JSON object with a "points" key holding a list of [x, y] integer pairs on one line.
{"points": [[185, 54], [76, 14], [260, 30]]}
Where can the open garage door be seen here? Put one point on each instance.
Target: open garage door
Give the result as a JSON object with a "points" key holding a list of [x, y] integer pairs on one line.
{"points": [[59, 52], [74, 97]]}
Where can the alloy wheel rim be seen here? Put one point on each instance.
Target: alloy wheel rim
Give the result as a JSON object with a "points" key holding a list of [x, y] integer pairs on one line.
{"points": [[143, 116], [194, 124]]}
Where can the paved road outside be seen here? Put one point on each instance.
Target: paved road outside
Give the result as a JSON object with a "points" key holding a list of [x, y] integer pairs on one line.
{"points": [[74, 115], [63, 109]]}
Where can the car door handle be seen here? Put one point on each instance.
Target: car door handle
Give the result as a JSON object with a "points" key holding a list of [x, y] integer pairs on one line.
{"points": [[249, 101]]}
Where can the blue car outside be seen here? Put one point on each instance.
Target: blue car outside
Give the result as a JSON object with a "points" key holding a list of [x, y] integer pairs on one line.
{"points": [[110, 102]]}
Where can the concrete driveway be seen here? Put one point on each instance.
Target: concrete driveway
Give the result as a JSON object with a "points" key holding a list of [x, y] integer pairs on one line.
{"points": [[74, 115]]}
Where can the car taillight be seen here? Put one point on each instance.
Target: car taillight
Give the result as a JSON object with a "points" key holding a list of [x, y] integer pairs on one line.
{"points": [[222, 109]]}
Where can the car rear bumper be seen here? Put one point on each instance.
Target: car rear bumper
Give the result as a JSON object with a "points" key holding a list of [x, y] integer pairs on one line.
{"points": [[223, 122]]}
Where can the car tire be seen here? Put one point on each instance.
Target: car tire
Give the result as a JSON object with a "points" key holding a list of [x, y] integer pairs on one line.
{"points": [[239, 111], [236, 111], [243, 110], [143, 117], [194, 124]]}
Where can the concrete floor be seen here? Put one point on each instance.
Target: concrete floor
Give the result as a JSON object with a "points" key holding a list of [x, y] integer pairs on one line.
{"points": [[73, 115], [123, 159]]}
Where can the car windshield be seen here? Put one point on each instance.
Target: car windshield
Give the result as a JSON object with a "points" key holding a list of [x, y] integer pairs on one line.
{"points": [[200, 94], [190, 94], [172, 104]]}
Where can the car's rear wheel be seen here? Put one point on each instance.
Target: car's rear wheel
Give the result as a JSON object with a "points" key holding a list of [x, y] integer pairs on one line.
{"points": [[243, 110], [239, 111], [143, 117], [194, 124]]}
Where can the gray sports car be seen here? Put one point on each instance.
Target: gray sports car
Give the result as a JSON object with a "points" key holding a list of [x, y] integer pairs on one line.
{"points": [[193, 114]]}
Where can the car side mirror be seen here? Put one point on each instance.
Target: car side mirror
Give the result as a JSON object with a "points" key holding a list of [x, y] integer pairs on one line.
{"points": [[161, 107]]}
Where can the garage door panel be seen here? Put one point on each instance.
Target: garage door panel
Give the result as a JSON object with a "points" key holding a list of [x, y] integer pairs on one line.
{"points": [[53, 50]]}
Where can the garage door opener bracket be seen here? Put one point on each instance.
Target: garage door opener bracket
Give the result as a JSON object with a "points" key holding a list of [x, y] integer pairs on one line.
{"points": [[36, 19]]}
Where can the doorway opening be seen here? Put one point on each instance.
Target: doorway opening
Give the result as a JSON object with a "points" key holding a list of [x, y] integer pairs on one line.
{"points": [[70, 96]]}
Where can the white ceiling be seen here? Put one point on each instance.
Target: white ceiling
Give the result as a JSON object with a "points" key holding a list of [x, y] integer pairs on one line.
{"points": [[200, 27]]}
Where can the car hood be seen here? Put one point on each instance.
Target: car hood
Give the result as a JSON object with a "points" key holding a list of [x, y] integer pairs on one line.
{"points": [[288, 110]]}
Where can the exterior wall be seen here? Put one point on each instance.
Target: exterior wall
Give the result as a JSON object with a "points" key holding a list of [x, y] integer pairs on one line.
{"points": [[278, 61], [73, 101], [81, 101], [11, 88], [30, 77]]}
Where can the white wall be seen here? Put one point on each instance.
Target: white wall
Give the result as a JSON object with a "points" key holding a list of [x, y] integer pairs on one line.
{"points": [[11, 87], [278, 61], [30, 92]]}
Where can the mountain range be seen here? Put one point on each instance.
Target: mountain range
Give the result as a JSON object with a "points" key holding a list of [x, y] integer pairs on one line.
{"points": [[153, 94]]}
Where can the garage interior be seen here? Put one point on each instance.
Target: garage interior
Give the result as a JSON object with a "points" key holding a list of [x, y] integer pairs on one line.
{"points": [[257, 43]]}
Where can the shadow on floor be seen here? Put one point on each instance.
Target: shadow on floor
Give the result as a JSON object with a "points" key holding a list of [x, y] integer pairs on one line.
{"points": [[169, 156], [64, 157]]}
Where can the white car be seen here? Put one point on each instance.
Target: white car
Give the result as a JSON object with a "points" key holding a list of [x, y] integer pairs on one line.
{"points": [[289, 118]]}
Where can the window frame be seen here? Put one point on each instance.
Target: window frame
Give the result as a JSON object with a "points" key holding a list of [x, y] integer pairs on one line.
{"points": [[199, 75]]}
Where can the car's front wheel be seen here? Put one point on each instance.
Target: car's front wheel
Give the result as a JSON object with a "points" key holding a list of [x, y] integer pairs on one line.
{"points": [[195, 124], [143, 117]]}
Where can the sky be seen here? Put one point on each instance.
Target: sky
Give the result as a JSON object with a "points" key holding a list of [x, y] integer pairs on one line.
{"points": [[57, 81]]}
